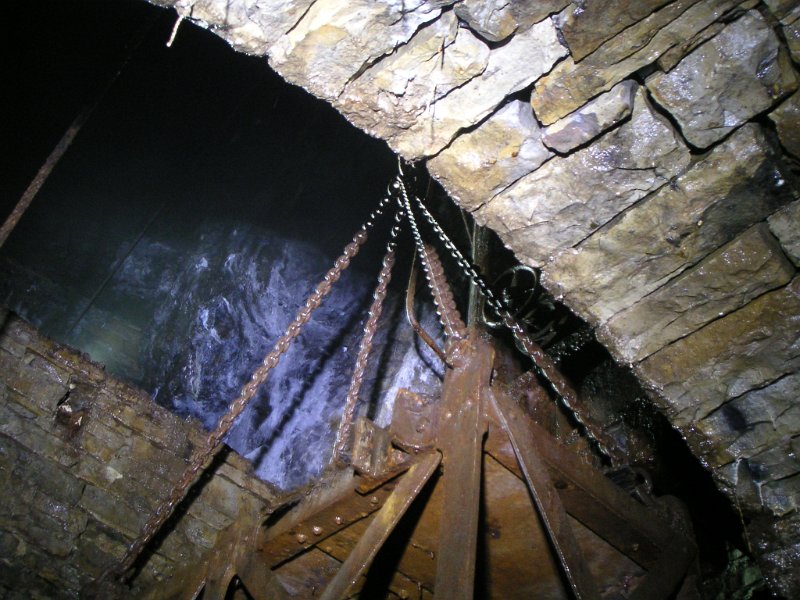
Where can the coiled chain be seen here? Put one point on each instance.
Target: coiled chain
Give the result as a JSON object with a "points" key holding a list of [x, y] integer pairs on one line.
{"points": [[542, 363]]}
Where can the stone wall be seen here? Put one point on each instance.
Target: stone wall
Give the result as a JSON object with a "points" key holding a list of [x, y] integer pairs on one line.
{"points": [[639, 153], [84, 459]]}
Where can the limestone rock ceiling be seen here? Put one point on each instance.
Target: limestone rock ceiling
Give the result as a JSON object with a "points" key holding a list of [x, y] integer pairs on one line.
{"points": [[640, 153]]}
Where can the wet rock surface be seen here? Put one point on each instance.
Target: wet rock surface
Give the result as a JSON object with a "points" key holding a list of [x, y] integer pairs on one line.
{"points": [[395, 93], [571, 84], [590, 121], [87, 468], [746, 349], [427, 78], [334, 41], [784, 224], [481, 164], [511, 67], [739, 183], [724, 281], [586, 26], [726, 81], [751, 423], [566, 199], [787, 121], [496, 20]]}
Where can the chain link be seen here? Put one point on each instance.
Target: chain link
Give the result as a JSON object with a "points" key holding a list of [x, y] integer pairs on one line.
{"points": [[543, 364], [449, 316], [365, 347], [204, 454]]}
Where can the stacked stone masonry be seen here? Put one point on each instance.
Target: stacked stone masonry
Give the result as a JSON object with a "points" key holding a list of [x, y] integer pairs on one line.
{"points": [[640, 153], [84, 460]]}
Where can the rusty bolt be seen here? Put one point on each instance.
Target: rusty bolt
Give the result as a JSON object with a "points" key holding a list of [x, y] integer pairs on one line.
{"points": [[317, 530], [301, 538], [337, 519]]}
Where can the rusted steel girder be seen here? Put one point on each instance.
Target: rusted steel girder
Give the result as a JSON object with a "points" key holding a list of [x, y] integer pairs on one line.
{"points": [[547, 501], [382, 526], [462, 426]]}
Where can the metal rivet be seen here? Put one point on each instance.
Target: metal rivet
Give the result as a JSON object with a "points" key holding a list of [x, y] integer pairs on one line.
{"points": [[337, 519], [374, 500], [301, 538], [317, 530]]}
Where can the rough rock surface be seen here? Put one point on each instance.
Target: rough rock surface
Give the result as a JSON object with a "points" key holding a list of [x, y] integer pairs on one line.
{"points": [[250, 26], [785, 224], [674, 55], [744, 350], [792, 35], [749, 424], [784, 10], [788, 13], [739, 183], [593, 119], [724, 281], [334, 41], [495, 20], [511, 67], [570, 85], [787, 121], [726, 81], [480, 164], [566, 199], [393, 94], [587, 25]]}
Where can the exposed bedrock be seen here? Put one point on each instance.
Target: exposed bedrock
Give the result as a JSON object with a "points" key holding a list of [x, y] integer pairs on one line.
{"points": [[731, 78], [642, 154]]}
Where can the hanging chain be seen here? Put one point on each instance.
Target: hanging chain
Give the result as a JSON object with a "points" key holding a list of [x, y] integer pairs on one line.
{"points": [[449, 316], [365, 347], [203, 455], [543, 364]]}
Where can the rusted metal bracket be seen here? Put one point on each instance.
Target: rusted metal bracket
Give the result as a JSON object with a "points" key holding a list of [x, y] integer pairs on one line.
{"points": [[547, 501], [461, 430], [382, 525]]}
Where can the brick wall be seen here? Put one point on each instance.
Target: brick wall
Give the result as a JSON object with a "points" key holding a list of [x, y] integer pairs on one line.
{"points": [[84, 459]]}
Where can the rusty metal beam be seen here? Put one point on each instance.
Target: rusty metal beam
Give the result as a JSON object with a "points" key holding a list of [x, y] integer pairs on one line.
{"points": [[589, 496], [382, 526], [259, 579], [326, 512], [461, 430], [547, 501]]}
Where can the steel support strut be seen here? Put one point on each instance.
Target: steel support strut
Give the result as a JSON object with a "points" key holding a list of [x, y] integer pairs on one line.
{"points": [[546, 499], [381, 527], [461, 430]]}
